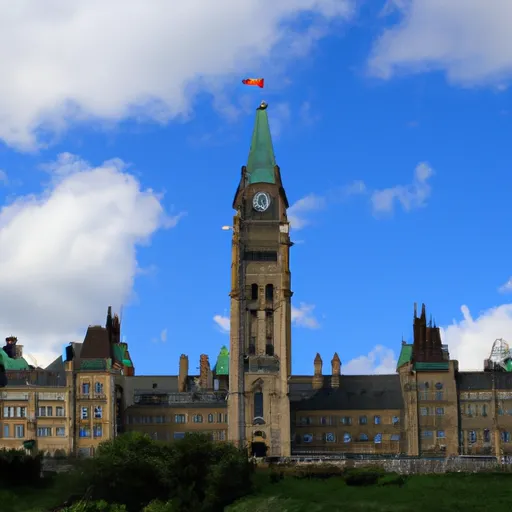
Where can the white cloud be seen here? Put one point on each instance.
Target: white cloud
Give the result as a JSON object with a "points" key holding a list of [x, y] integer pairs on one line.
{"points": [[410, 196], [303, 316], [298, 211], [163, 336], [222, 322], [70, 252], [380, 360], [470, 339], [468, 39], [507, 287], [107, 61]]}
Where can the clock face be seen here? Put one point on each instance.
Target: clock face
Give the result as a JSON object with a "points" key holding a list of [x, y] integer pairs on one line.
{"points": [[261, 201]]}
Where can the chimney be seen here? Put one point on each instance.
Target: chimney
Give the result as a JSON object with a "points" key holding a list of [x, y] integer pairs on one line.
{"points": [[318, 379], [204, 371], [183, 375], [335, 371]]}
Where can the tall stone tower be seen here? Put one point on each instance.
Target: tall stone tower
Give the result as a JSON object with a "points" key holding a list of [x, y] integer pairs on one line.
{"points": [[260, 351]]}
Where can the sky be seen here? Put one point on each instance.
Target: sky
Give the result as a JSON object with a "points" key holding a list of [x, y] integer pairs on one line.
{"points": [[123, 128]]}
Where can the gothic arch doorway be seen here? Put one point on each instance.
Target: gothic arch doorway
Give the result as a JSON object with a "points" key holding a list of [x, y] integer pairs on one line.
{"points": [[258, 446]]}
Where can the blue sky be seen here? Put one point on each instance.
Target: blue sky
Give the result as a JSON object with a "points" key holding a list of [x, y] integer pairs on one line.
{"points": [[121, 155]]}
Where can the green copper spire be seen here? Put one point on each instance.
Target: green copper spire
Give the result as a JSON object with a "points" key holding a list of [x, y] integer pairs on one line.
{"points": [[261, 161]]}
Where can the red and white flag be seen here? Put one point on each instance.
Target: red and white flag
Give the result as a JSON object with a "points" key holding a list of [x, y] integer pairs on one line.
{"points": [[260, 82]]}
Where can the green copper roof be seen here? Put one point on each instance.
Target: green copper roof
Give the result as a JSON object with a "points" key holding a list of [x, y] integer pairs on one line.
{"points": [[12, 364], [261, 161], [120, 355], [431, 367], [405, 356], [222, 366]]}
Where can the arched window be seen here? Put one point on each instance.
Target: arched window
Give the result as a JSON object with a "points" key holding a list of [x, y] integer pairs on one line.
{"points": [[210, 418], [258, 408], [254, 291], [269, 292], [347, 438], [363, 437]]}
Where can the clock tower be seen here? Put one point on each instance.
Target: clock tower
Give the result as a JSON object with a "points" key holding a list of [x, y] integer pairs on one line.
{"points": [[260, 339]]}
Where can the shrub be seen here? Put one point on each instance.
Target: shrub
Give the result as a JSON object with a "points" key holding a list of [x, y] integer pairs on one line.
{"points": [[322, 472], [131, 469], [19, 468], [363, 476]]}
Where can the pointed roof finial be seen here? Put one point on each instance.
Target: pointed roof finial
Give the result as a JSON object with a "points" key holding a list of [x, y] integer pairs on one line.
{"points": [[261, 161], [318, 359], [336, 357], [423, 312]]}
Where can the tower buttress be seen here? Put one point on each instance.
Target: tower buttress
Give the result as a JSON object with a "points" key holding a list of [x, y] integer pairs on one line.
{"points": [[260, 319], [335, 371], [318, 378]]}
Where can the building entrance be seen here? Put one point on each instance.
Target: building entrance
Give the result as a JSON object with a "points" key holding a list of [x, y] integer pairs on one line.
{"points": [[258, 449]]}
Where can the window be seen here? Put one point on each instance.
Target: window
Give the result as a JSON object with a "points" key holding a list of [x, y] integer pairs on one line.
{"points": [[347, 438], [471, 437], [41, 411], [395, 437], [60, 431], [346, 420], [307, 438], [98, 412], [269, 292], [469, 410], [363, 420], [224, 418], [84, 432], [219, 417], [98, 431], [260, 256], [19, 431], [440, 434], [440, 411], [21, 412], [487, 436], [304, 420], [254, 291], [197, 418], [9, 412], [258, 405], [49, 411], [7, 431], [98, 388], [376, 420], [330, 437], [439, 385], [59, 411], [377, 439], [179, 418], [427, 434], [179, 435], [222, 435], [44, 432], [363, 437], [85, 413], [86, 387], [484, 410], [210, 418], [505, 437], [324, 420], [439, 395], [424, 411], [395, 420]]}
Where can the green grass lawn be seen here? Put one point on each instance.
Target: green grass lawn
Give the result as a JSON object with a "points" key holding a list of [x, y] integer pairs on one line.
{"points": [[422, 493], [22, 499]]}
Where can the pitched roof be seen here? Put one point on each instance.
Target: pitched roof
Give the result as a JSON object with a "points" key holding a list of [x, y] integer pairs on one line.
{"points": [[475, 381], [356, 392], [96, 343], [261, 162]]}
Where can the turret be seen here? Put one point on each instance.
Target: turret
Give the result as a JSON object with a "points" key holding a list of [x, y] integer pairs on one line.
{"points": [[318, 379], [335, 371]]}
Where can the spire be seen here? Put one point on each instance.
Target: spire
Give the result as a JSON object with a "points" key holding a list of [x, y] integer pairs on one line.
{"points": [[261, 161]]}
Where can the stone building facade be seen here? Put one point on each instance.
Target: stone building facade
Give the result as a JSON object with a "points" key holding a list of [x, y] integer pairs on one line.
{"points": [[250, 396]]}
